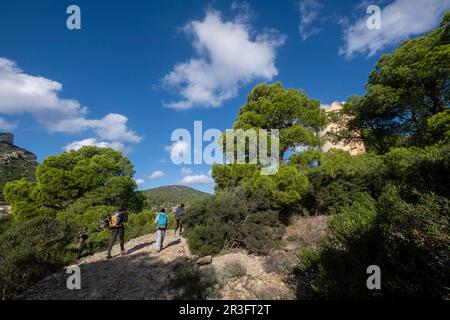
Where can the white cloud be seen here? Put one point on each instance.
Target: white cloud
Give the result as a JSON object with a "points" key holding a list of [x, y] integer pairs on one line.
{"points": [[116, 145], [140, 182], [197, 179], [228, 56], [399, 20], [21, 93], [177, 150], [156, 175], [309, 16], [6, 126], [186, 171]]}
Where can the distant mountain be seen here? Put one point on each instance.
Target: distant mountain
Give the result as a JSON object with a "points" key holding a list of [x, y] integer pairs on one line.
{"points": [[171, 196], [15, 163]]}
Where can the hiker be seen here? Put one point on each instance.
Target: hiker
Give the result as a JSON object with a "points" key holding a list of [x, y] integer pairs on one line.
{"points": [[81, 238], [117, 225], [162, 221], [178, 214]]}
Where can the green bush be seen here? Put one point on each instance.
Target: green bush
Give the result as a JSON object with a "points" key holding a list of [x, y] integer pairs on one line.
{"points": [[409, 241], [208, 238], [237, 218], [30, 250], [192, 283], [140, 224], [341, 178], [234, 269]]}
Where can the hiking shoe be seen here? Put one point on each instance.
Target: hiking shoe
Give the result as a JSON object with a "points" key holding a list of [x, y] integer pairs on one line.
{"points": [[123, 252], [108, 257]]}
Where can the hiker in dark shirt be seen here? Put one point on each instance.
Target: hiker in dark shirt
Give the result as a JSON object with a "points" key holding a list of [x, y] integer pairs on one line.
{"points": [[178, 214], [81, 238], [117, 225]]}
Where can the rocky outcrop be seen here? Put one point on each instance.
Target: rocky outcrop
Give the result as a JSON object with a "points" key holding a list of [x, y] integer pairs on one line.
{"points": [[15, 163]]}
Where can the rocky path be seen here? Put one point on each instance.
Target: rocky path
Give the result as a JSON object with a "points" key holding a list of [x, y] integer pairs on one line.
{"points": [[140, 274]]}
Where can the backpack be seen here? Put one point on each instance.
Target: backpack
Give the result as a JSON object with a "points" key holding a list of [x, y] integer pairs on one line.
{"points": [[116, 220], [162, 221]]}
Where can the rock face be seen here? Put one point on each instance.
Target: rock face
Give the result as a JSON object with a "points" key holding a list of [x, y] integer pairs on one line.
{"points": [[15, 163]]}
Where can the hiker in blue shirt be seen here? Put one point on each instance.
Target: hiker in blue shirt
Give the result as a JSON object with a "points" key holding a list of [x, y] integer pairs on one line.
{"points": [[162, 221]]}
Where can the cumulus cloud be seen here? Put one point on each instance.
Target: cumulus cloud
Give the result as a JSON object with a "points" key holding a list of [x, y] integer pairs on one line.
{"points": [[399, 20], [6, 126], [156, 175], [21, 93], [309, 16], [186, 171], [116, 145], [139, 182], [197, 179], [228, 55]]}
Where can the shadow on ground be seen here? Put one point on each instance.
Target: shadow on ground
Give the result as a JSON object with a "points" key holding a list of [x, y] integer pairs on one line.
{"points": [[138, 275]]}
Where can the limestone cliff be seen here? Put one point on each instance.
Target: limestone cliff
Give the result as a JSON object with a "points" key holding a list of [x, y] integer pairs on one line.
{"points": [[15, 163]]}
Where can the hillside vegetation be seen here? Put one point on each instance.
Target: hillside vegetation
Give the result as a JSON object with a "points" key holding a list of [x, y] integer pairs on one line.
{"points": [[171, 196]]}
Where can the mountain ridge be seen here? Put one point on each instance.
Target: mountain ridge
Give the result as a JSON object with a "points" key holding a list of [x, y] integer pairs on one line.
{"points": [[173, 195]]}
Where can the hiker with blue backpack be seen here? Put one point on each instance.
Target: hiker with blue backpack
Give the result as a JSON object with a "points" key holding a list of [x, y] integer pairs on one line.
{"points": [[162, 221]]}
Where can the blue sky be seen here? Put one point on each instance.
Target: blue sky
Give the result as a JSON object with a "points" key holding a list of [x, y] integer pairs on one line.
{"points": [[137, 70]]}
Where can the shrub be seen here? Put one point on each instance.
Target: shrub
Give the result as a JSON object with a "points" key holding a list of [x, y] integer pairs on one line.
{"points": [[232, 219], [192, 283], [30, 250], [234, 269], [409, 241], [140, 224]]}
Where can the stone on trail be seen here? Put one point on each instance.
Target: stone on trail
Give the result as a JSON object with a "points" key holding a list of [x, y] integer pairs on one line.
{"points": [[204, 260]]}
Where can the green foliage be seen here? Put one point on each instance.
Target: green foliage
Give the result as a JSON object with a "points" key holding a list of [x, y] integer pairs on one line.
{"points": [[140, 223], [439, 127], [340, 179], [171, 196], [74, 190], [193, 283], [30, 250], [238, 218], [234, 269], [405, 90], [425, 169], [282, 190], [291, 111], [86, 177], [24, 196], [409, 241]]}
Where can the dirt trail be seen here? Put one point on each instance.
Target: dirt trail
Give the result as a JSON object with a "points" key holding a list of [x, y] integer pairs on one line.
{"points": [[140, 274]]}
